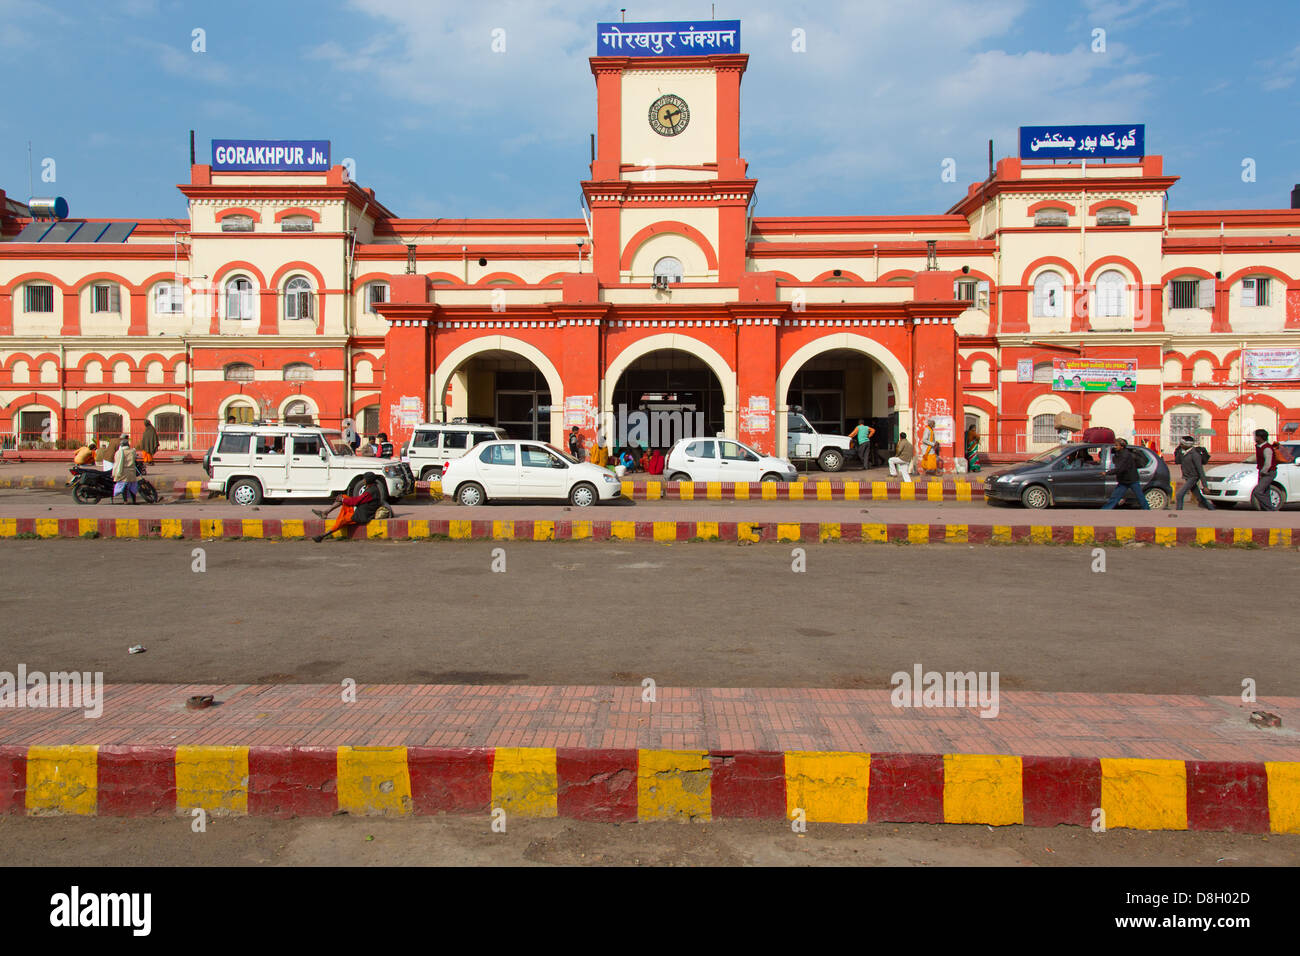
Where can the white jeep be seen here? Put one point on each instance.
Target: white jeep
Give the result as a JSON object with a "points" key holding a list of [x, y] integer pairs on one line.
{"points": [[805, 443], [255, 462]]}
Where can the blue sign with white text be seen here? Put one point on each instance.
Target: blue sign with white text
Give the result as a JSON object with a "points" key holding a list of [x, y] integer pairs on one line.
{"points": [[1083, 142], [692, 38], [271, 154]]}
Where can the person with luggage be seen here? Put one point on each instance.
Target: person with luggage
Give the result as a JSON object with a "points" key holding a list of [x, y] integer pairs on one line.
{"points": [[1124, 466], [928, 459], [1267, 456], [1192, 457]]}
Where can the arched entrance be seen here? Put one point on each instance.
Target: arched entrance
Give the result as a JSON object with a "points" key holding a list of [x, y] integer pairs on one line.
{"points": [[663, 395], [839, 379], [504, 382]]}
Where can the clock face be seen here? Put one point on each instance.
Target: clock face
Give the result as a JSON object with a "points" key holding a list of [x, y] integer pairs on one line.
{"points": [[669, 115]]}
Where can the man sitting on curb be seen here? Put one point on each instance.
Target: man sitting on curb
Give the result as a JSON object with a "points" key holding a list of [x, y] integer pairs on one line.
{"points": [[354, 510]]}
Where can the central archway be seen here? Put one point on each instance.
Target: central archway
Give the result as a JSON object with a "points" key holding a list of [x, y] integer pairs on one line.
{"points": [[501, 380], [670, 365], [840, 377]]}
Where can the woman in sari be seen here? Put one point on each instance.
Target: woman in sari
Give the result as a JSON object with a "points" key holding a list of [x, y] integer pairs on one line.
{"points": [[972, 450]]}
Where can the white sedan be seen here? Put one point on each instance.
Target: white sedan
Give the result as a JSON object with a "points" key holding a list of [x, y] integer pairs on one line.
{"points": [[524, 469], [721, 459], [1233, 483]]}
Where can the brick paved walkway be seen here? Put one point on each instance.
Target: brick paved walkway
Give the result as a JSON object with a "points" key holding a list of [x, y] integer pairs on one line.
{"points": [[1065, 724]]}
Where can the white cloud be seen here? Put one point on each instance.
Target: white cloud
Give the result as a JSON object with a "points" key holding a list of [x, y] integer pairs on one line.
{"points": [[883, 93]]}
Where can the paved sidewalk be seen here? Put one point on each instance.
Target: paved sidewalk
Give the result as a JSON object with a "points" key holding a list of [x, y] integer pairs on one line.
{"points": [[601, 753], [865, 721]]}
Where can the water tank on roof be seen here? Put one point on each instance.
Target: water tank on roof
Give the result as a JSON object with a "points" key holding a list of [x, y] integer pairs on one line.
{"points": [[55, 207]]}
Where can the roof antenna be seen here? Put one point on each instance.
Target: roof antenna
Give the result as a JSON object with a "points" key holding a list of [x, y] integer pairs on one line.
{"points": [[191, 147], [623, 10], [29, 167]]}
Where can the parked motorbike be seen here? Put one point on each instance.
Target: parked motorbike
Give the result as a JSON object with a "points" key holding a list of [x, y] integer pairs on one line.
{"points": [[92, 485]]}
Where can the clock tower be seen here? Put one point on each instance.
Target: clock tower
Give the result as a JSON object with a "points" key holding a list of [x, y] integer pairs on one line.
{"points": [[668, 182]]}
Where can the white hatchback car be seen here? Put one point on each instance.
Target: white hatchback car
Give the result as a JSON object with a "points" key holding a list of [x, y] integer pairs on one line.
{"points": [[1234, 483], [526, 469], [722, 459]]}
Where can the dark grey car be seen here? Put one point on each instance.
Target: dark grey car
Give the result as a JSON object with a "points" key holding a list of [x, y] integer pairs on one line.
{"points": [[1075, 474]]}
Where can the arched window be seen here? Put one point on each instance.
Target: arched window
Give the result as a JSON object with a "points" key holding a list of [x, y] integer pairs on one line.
{"points": [[299, 372], [1111, 295], [240, 300], [107, 425], [1051, 217], [1045, 429], [669, 267], [376, 293], [168, 298], [297, 413], [1049, 295], [1113, 216], [296, 224], [241, 413], [237, 223], [170, 427], [298, 299], [239, 372]]}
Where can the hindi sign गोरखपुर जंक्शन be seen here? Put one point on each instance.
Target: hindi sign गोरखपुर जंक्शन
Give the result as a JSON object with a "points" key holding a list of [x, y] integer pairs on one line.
{"points": [[690, 38]]}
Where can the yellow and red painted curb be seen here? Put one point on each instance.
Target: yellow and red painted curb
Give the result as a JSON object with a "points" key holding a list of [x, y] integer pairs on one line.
{"points": [[650, 785], [664, 532], [729, 491]]}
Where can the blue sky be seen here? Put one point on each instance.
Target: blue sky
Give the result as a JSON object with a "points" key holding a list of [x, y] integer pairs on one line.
{"points": [[439, 125]]}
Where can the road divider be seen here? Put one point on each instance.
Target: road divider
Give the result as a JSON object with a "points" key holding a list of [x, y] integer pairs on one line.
{"points": [[666, 532], [803, 787]]}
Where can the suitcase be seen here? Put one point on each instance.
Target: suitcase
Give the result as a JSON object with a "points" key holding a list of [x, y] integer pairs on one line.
{"points": [[1098, 435]]}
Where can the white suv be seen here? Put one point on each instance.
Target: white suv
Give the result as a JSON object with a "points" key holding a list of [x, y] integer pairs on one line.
{"points": [[252, 463], [433, 444]]}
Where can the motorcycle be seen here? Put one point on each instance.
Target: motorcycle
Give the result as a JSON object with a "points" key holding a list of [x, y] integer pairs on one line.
{"points": [[92, 485]]}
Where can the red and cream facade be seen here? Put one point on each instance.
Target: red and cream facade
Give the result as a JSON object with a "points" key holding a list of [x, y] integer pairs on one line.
{"points": [[322, 302]]}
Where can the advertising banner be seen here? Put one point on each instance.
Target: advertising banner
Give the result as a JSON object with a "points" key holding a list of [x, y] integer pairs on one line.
{"points": [[1094, 375], [271, 154], [1271, 365], [1083, 142], [691, 38]]}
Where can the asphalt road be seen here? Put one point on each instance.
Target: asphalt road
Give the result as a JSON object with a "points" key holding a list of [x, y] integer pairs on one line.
{"points": [[1157, 621], [468, 841]]}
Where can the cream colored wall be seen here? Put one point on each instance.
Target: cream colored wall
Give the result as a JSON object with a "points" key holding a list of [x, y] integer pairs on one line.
{"points": [[632, 221], [37, 323], [696, 145], [204, 219], [1267, 318]]}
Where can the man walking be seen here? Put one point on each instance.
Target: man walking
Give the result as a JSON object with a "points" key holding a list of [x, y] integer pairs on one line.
{"points": [[1124, 466], [1266, 460], [929, 448], [902, 459], [124, 476], [1192, 457], [862, 435], [575, 443]]}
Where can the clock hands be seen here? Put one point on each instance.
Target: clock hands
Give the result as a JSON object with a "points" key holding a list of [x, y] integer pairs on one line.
{"points": [[670, 116]]}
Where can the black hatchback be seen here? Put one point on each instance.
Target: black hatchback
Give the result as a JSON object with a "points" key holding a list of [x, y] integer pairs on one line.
{"points": [[1075, 474]]}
